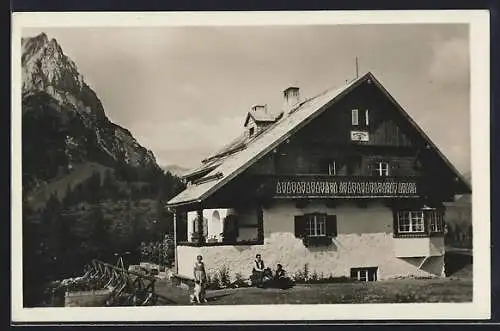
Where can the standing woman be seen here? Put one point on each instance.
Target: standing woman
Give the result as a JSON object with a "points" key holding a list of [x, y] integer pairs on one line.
{"points": [[200, 275]]}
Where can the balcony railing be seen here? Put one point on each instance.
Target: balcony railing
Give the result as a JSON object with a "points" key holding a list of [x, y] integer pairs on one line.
{"points": [[324, 186]]}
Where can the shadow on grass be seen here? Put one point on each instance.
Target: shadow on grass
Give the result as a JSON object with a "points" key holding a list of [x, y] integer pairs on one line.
{"points": [[217, 297], [456, 261], [164, 299]]}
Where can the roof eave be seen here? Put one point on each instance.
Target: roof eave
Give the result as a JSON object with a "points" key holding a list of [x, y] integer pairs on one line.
{"points": [[182, 203]]}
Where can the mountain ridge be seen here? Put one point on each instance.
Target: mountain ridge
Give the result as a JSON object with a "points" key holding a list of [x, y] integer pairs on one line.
{"points": [[175, 169], [64, 118]]}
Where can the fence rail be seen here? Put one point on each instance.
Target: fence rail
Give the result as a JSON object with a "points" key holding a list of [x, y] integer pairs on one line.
{"points": [[126, 288]]}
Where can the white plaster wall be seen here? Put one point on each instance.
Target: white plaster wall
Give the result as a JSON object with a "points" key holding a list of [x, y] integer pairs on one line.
{"points": [[186, 259], [411, 247], [364, 240], [417, 247]]}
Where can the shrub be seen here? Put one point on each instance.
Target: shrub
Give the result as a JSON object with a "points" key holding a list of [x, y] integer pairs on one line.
{"points": [[224, 277], [301, 278], [306, 272], [213, 282], [239, 281]]}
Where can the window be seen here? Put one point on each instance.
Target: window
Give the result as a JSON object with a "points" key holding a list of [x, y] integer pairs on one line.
{"points": [[316, 225], [251, 131], [410, 221], [364, 274], [381, 169], [367, 121], [316, 229], [436, 223], [354, 117], [332, 170], [419, 223], [332, 167]]}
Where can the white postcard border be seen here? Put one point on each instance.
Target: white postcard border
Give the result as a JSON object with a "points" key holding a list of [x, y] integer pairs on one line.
{"points": [[478, 21]]}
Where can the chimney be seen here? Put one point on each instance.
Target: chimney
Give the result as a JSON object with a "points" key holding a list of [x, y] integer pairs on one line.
{"points": [[291, 98]]}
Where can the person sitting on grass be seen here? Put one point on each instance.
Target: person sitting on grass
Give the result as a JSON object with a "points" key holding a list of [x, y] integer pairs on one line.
{"points": [[280, 272], [257, 271], [280, 279], [267, 278]]}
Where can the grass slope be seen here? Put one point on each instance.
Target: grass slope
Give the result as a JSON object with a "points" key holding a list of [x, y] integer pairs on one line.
{"points": [[37, 198]]}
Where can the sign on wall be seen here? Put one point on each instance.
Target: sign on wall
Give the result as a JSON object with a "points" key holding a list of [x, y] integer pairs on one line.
{"points": [[359, 136], [338, 187]]}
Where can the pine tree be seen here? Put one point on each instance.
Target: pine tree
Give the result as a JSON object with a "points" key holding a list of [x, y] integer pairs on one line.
{"points": [[109, 189], [94, 188], [99, 234]]}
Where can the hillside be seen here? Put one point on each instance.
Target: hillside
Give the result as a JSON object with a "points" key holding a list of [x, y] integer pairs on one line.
{"points": [[60, 186]]}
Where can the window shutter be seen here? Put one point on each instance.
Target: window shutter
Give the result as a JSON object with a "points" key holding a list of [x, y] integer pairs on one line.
{"points": [[373, 168], [395, 223], [300, 226], [331, 225], [427, 220]]}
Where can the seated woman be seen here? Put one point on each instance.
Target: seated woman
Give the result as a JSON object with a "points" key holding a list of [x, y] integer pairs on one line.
{"points": [[267, 278], [280, 279], [257, 271]]}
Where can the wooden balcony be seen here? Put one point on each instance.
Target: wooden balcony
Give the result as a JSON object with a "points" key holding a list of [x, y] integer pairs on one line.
{"points": [[324, 186]]}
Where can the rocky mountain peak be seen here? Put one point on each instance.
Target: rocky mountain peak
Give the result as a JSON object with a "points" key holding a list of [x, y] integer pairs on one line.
{"points": [[53, 85], [46, 67]]}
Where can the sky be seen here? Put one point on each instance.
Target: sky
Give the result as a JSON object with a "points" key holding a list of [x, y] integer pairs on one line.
{"points": [[184, 92]]}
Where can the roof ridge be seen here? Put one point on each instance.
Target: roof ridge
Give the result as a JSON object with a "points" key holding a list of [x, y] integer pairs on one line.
{"points": [[223, 152]]}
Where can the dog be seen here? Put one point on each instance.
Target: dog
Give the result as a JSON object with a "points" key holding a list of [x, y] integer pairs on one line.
{"points": [[196, 296]]}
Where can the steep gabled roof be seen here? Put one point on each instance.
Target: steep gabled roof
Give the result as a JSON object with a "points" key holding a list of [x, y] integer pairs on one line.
{"points": [[230, 165]]}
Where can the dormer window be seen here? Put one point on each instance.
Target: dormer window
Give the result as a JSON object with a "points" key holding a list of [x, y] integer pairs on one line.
{"points": [[251, 131], [354, 117]]}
